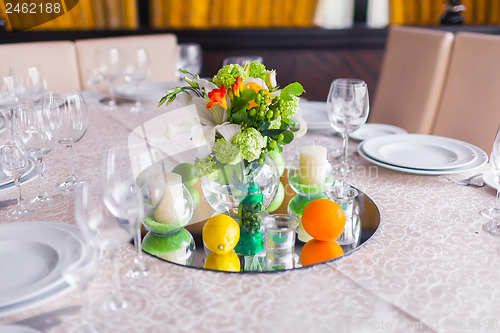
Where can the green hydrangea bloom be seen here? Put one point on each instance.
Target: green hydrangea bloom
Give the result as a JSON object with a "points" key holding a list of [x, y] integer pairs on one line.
{"points": [[226, 76], [290, 107], [251, 143], [206, 167], [257, 70], [227, 152]]}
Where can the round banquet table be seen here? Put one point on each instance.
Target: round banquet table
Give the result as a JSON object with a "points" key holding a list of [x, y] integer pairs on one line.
{"points": [[429, 267]]}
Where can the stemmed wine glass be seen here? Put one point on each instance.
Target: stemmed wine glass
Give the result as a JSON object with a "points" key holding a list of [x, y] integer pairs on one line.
{"points": [[189, 58], [493, 225], [136, 70], [128, 200], [14, 162], [29, 83], [8, 100], [70, 120], [110, 64], [31, 125], [347, 108]]}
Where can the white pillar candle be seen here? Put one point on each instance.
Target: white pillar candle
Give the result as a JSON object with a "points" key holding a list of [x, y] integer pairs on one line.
{"points": [[312, 167], [171, 208]]}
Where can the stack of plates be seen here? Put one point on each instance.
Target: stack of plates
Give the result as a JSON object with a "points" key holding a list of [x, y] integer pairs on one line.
{"points": [[7, 182], [33, 257], [422, 154], [145, 91]]}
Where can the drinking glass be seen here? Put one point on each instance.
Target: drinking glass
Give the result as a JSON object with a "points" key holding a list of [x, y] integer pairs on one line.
{"points": [[493, 225], [8, 100], [29, 83], [102, 233], [110, 64], [189, 59], [31, 126], [14, 163], [241, 60], [137, 70], [70, 120], [347, 108], [128, 200]]}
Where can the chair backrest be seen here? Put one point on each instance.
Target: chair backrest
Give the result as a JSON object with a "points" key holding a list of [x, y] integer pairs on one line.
{"points": [[470, 105], [411, 78], [57, 60], [161, 48]]}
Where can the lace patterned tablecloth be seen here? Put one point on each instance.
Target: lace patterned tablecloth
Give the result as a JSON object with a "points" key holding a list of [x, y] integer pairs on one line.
{"points": [[429, 267]]}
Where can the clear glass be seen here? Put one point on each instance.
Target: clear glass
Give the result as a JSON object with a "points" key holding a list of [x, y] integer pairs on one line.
{"points": [[190, 58], [310, 190], [241, 60], [31, 126], [137, 69], [69, 119], [127, 199], [347, 108], [8, 100], [345, 197], [110, 65], [280, 232], [493, 226], [14, 162], [29, 83]]}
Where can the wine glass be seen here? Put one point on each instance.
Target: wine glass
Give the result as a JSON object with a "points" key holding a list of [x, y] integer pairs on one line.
{"points": [[110, 64], [100, 232], [128, 200], [32, 128], [29, 83], [14, 162], [241, 60], [8, 100], [493, 225], [137, 70], [70, 120], [189, 59], [347, 108]]}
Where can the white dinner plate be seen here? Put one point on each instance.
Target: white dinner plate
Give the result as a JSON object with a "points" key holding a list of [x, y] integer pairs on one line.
{"points": [[314, 113], [17, 329], [481, 160], [372, 130], [6, 181], [31, 258], [146, 91], [490, 179], [420, 151]]}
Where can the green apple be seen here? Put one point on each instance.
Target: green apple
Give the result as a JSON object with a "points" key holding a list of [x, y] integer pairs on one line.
{"points": [[195, 195], [278, 199], [278, 160], [187, 172]]}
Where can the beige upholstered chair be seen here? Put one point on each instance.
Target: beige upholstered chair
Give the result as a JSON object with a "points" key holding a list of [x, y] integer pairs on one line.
{"points": [[57, 60], [162, 50], [470, 105], [411, 79]]}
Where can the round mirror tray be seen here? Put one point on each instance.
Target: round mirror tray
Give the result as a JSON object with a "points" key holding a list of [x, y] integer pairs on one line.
{"points": [[186, 247]]}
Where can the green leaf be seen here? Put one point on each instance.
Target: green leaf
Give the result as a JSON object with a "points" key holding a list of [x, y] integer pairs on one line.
{"points": [[293, 89], [288, 137]]}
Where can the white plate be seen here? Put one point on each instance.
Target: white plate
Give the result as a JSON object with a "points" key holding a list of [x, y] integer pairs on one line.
{"points": [[490, 179], [17, 329], [146, 91], [371, 130], [481, 160], [420, 151], [314, 113], [30, 257], [6, 181]]}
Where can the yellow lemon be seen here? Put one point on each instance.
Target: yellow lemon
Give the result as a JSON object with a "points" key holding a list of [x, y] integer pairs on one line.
{"points": [[228, 262], [220, 234]]}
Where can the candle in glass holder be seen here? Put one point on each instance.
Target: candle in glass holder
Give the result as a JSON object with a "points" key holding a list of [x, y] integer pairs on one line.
{"points": [[171, 208], [312, 166]]}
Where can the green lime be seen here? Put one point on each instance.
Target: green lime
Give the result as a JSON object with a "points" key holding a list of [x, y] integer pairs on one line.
{"points": [[278, 160], [195, 195], [278, 199], [187, 172]]}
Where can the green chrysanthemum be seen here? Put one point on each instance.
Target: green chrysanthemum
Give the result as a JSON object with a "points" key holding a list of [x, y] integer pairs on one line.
{"points": [[227, 152], [251, 143], [290, 107], [226, 76], [206, 167], [257, 70]]}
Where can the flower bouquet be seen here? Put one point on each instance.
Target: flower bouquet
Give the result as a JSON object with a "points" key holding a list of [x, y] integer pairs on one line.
{"points": [[245, 117]]}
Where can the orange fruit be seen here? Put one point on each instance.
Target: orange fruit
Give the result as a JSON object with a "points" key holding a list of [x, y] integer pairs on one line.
{"points": [[315, 251], [323, 220]]}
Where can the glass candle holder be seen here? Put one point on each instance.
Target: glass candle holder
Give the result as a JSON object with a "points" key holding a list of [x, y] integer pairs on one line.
{"points": [[321, 181], [280, 232]]}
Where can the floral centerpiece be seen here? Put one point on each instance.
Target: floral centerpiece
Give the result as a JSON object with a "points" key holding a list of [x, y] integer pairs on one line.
{"points": [[245, 115]]}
